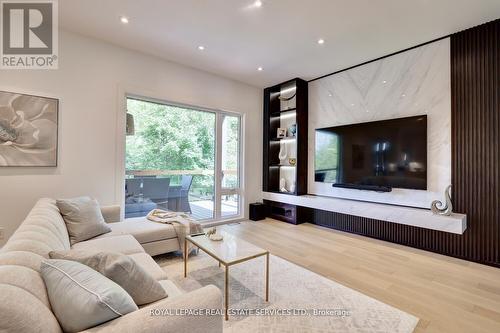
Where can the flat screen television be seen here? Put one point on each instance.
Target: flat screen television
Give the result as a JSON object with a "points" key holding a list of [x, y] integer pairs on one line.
{"points": [[378, 155]]}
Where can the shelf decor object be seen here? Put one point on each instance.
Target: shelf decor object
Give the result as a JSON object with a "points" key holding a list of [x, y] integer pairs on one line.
{"points": [[437, 206], [285, 138]]}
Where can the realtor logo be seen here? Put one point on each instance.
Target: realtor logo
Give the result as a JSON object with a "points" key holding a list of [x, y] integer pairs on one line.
{"points": [[29, 34]]}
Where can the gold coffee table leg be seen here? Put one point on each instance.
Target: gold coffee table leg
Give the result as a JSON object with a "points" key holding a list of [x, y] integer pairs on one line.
{"points": [[267, 277], [226, 292], [185, 257]]}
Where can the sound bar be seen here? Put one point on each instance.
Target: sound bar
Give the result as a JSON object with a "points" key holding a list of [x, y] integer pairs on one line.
{"points": [[364, 187]]}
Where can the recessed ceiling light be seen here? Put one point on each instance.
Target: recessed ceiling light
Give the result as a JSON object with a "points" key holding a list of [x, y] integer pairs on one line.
{"points": [[124, 19], [384, 82], [403, 95], [201, 47], [321, 41], [329, 95], [260, 69], [257, 3]]}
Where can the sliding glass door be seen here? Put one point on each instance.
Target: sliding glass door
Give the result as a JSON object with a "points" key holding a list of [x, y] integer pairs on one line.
{"points": [[230, 165], [181, 159]]}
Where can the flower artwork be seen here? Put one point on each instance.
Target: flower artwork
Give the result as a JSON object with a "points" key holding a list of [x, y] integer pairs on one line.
{"points": [[28, 130]]}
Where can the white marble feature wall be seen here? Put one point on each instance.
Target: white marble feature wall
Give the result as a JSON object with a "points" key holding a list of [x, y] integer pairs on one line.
{"points": [[415, 82]]}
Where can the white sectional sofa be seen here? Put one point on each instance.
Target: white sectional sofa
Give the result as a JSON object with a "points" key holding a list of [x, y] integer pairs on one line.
{"points": [[25, 306]]}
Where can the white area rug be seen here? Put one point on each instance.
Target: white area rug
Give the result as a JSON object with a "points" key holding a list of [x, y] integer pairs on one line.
{"points": [[291, 287]]}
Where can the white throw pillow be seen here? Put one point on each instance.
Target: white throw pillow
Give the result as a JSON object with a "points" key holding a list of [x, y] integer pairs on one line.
{"points": [[83, 218], [140, 285], [82, 298]]}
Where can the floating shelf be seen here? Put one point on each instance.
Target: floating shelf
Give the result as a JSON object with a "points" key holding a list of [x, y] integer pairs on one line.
{"points": [[277, 113], [417, 217], [285, 138]]}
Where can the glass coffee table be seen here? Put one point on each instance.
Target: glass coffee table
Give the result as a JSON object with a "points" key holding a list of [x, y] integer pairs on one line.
{"points": [[229, 251]]}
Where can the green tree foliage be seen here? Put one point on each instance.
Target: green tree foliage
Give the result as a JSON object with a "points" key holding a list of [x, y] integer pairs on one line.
{"points": [[171, 138]]}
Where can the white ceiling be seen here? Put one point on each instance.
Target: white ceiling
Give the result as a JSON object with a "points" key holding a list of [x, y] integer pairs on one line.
{"points": [[281, 36]]}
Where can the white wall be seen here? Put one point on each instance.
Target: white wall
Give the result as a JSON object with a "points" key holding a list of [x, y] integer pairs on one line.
{"points": [[411, 83], [90, 83]]}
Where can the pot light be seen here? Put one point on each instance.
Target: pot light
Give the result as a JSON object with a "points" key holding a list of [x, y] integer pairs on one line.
{"points": [[384, 82], [257, 3], [321, 41], [124, 20], [201, 47], [260, 69]]}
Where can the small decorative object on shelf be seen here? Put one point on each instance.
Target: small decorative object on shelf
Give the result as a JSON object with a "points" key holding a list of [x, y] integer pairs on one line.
{"points": [[438, 208], [292, 188], [292, 130], [283, 153], [292, 161], [283, 185], [281, 133]]}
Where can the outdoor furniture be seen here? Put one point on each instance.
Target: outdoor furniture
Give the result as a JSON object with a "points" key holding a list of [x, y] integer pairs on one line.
{"points": [[144, 194], [133, 186], [156, 189], [138, 207], [179, 195]]}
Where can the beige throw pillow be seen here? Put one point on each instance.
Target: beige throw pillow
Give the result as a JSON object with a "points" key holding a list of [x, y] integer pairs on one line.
{"points": [[82, 298], [121, 269], [83, 218]]}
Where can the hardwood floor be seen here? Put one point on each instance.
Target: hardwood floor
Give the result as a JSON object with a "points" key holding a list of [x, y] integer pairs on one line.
{"points": [[447, 294]]}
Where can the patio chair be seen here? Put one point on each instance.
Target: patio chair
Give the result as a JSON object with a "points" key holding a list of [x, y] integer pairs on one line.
{"points": [[179, 195], [136, 204], [157, 190]]}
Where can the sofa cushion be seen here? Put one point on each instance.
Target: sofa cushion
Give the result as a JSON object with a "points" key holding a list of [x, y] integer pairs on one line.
{"points": [[24, 278], [21, 312], [83, 218], [137, 282], [42, 231], [149, 265], [98, 299], [143, 230], [125, 244]]}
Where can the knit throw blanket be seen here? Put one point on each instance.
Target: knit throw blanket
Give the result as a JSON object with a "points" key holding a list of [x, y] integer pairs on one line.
{"points": [[183, 224]]}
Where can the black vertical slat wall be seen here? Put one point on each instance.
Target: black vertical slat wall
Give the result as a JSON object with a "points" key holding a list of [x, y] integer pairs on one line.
{"points": [[475, 107]]}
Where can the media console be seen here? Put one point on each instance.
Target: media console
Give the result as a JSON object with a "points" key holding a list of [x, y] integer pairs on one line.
{"points": [[417, 217]]}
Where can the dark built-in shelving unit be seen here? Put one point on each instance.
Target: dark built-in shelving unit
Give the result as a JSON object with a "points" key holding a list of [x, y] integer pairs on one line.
{"points": [[285, 104]]}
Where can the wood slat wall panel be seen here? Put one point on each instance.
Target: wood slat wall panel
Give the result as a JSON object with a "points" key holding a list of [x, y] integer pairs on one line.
{"points": [[475, 87]]}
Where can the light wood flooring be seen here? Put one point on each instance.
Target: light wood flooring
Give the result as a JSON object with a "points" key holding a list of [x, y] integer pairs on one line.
{"points": [[447, 294]]}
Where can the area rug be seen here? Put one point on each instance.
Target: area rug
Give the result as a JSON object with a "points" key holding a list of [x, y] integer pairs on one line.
{"points": [[300, 300]]}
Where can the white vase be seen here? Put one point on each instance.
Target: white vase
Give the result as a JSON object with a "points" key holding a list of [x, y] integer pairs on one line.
{"points": [[292, 187], [283, 152], [283, 185]]}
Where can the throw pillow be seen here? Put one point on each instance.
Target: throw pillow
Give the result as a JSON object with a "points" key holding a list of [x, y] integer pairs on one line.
{"points": [[83, 218], [82, 298], [121, 269]]}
